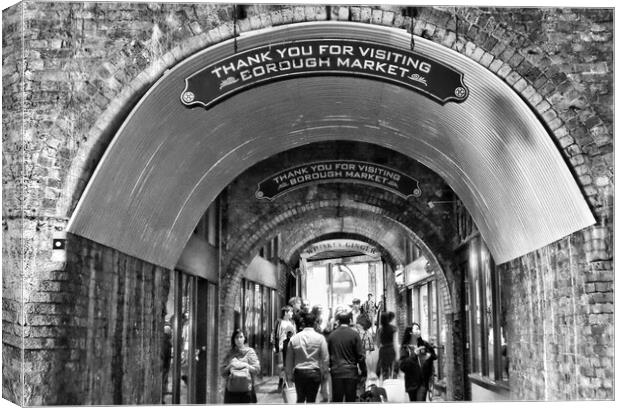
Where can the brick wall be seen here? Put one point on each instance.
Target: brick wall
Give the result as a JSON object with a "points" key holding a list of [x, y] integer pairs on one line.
{"points": [[12, 216], [93, 331], [560, 328]]}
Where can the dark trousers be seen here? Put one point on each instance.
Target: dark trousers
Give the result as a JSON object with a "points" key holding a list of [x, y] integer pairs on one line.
{"points": [[239, 397], [417, 394], [385, 364], [344, 388], [307, 383]]}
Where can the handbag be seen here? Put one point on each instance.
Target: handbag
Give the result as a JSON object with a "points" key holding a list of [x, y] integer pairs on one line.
{"points": [[395, 390], [239, 380], [289, 393]]}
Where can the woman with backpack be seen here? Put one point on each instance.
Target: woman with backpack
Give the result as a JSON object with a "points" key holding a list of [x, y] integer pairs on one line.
{"points": [[240, 366], [416, 361]]}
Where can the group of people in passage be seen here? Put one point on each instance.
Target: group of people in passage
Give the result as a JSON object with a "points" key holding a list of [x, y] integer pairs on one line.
{"points": [[330, 358]]}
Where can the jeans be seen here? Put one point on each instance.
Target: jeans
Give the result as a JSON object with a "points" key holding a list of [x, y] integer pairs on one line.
{"points": [[344, 388], [307, 383]]}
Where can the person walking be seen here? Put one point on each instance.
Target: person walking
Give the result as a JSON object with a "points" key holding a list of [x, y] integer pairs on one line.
{"points": [[320, 326], [307, 360], [369, 308], [362, 327], [283, 325], [389, 349], [333, 322], [356, 310], [381, 308], [295, 303], [346, 360], [240, 367], [416, 361]]}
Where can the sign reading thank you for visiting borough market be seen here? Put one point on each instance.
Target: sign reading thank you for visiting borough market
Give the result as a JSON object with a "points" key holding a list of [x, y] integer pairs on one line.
{"points": [[337, 171], [286, 60]]}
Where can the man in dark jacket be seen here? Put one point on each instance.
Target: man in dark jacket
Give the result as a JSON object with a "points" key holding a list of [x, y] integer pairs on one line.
{"points": [[346, 360]]}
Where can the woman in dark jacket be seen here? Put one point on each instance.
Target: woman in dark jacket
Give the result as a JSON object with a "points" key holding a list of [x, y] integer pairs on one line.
{"points": [[240, 357], [416, 361]]}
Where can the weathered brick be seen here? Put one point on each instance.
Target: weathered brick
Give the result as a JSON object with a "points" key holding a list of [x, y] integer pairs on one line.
{"points": [[579, 40]]}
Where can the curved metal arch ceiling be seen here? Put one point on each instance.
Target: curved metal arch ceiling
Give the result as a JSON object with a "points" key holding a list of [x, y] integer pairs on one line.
{"points": [[168, 162]]}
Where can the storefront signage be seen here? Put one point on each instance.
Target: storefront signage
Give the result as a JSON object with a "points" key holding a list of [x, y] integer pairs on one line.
{"points": [[338, 171], [417, 270], [286, 60], [340, 245]]}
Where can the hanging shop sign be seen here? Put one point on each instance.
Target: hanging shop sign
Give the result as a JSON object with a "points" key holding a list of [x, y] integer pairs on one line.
{"points": [[285, 60], [338, 171], [339, 245]]}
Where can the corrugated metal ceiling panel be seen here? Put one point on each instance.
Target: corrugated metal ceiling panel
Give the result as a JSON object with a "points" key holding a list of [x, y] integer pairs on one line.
{"points": [[167, 163]]}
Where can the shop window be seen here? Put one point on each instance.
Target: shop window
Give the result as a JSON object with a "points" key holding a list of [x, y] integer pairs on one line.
{"points": [[425, 308], [190, 342], [257, 319], [486, 328]]}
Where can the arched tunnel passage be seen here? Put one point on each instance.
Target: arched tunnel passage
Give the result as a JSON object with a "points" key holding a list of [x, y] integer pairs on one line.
{"points": [[309, 279], [264, 240]]}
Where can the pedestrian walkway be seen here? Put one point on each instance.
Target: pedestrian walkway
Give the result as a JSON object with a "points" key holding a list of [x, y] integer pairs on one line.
{"points": [[267, 391]]}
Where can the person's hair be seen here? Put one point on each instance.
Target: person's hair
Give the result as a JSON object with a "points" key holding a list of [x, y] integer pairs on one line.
{"points": [[364, 321], [285, 309], [316, 309], [235, 333], [294, 300], [409, 333], [370, 294], [344, 317], [386, 318], [307, 319]]}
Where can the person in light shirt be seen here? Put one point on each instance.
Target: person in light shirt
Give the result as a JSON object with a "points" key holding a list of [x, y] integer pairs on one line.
{"points": [[307, 360]]}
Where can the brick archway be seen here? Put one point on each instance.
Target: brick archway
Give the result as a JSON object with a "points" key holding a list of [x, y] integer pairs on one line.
{"points": [[478, 33], [370, 223], [497, 204]]}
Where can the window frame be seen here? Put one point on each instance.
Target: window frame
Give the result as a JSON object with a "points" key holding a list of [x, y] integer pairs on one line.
{"points": [[477, 286]]}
